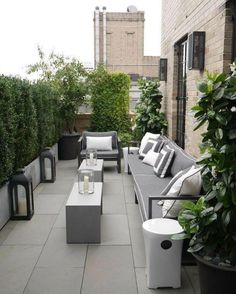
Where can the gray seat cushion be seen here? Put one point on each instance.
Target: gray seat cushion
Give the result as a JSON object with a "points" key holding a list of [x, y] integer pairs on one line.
{"points": [[137, 167], [149, 185], [113, 134], [102, 154]]}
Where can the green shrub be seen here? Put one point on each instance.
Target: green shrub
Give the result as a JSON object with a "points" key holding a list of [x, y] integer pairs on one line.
{"points": [[48, 120], [110, 100], [26, 143], [7, 129], [149, 118]]}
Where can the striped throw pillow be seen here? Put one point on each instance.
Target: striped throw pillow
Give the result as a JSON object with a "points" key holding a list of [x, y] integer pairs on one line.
{"points": [[163, 163]]}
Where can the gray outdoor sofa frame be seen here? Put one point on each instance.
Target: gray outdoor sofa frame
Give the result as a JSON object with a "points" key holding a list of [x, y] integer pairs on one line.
{"points": [[113, 155]]}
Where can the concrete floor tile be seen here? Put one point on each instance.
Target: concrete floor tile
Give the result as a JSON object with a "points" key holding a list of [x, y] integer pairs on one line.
{"points": [[134, 218], [114, 230], [113, 188], [109, 269], [32, 232], [138, 248], [61, 218], [129, 194], [192, 273], [58, 187], [16, 265], [55, 280], [114, 204], [49, 203], [57, 253]]}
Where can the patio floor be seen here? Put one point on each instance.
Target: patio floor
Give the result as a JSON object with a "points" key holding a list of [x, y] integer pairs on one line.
{"points": [[35, 258]]}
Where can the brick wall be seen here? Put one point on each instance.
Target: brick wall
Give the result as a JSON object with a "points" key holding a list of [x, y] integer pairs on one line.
{"points": [[179, 18]]}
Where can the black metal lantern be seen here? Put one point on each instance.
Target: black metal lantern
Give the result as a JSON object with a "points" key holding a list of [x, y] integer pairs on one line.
{"points": [[47, 166], [163, 69], [21, 193]]}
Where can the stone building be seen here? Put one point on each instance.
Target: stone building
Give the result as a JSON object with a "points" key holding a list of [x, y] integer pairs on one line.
{"points": [[119, 42], [197, 35]]}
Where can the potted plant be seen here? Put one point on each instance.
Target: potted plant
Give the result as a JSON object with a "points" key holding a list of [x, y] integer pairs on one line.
{"points": [[149, 118], [67, 77], [210, 223]]}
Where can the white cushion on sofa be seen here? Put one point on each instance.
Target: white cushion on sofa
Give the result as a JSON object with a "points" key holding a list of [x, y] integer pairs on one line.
{"points": [[151, 157], [188, 184], [99, 143], [145, 139]]}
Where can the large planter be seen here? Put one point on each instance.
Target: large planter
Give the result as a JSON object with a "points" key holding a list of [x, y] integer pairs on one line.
{"points": [[68, 146], [215, 279], [34, 170]]}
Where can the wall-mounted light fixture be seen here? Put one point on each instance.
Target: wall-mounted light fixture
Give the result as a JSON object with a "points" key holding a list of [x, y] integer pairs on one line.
{"points": [[163, 69], [196, 50]]}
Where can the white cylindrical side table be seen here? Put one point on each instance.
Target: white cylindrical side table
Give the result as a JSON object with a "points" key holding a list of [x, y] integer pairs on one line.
{"points": [[163, 255], [125, 154]]}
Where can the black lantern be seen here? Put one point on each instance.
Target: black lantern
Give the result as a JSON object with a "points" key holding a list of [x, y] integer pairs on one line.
{"points": [[47, 166], [163, 69], [21, 193], [196, 50]]}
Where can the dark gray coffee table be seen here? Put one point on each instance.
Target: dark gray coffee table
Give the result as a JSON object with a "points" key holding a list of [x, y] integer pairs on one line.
{"points": [[83, 216], [98, 169]]}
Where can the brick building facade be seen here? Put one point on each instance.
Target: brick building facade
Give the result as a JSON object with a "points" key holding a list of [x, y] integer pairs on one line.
{"points": [[217, 20], [119, 42]]}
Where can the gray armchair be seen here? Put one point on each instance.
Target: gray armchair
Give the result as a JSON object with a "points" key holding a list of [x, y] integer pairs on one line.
{"points": [[111, 155]]}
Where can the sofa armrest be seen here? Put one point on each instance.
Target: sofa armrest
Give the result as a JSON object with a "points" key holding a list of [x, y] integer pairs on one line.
{"points": [[161, 197], [79, 149]]}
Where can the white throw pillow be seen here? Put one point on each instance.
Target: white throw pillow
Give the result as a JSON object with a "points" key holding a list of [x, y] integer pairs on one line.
{"points": [[151, 157], [150, 145], [99, 143], [145, 139], [188, 184]]}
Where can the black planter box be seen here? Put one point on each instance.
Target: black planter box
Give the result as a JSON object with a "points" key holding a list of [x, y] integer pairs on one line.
{"points": [[68, 146]]}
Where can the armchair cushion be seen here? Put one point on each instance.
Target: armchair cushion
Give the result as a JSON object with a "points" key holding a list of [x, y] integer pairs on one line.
{"points": [[113, 134], [99, 143]]}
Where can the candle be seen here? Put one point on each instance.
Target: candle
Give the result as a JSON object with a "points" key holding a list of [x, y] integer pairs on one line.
{"points": [[22, 206], [86, 184]]}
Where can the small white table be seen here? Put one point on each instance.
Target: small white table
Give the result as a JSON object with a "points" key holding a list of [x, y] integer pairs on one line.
{"points": [[83, 215], [98, 169], [125, 154]]}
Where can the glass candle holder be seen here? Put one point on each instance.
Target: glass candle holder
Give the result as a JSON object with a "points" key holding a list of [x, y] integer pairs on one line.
{"points": [[86, 181], [91, 157]]}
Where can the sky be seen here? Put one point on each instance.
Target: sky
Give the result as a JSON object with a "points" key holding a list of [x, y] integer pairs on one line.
{"points": [[62, 26]]}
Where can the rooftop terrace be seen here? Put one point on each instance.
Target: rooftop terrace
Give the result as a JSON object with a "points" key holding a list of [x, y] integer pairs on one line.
{"points": [[35, 258]]}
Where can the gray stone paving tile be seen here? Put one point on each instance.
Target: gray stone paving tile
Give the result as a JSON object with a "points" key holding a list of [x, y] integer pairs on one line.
{"points": [[129, 194], [143, 289], [32, 232], [109, 269], [55, 280], [6, 230], [192, 273], [114, 230], [127, 180], [133, 213], [61, 218], [49, 203], [58, 187], [16, 265], [137, 242], [113, 188], [114, 204], [57, 253]]}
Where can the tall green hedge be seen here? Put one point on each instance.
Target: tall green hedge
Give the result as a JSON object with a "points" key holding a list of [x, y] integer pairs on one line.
{"points": [[29, 121], [110, 100]]}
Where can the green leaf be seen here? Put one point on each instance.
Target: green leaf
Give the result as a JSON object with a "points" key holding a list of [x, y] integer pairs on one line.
{"points": [[226, 215], [200, 124], [202, 86], [180, 236], [219, 94], [219, 134], [232, 134], [197, 108], [211, 195], [221, 119]]}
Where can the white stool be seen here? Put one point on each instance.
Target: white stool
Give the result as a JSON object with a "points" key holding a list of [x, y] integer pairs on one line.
{"points": [[163, 255], [125, 154]]}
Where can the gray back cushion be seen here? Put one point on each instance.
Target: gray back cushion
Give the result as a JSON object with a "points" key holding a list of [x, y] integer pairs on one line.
{"points": [[100, 134], [182, 160]]}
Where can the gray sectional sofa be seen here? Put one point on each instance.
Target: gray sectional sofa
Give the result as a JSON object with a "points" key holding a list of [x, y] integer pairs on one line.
{"points": [[148, 187]]}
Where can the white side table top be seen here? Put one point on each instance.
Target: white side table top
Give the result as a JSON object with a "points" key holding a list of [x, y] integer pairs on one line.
{"points": [[77, 199], [97, 167], [162, 226]]}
